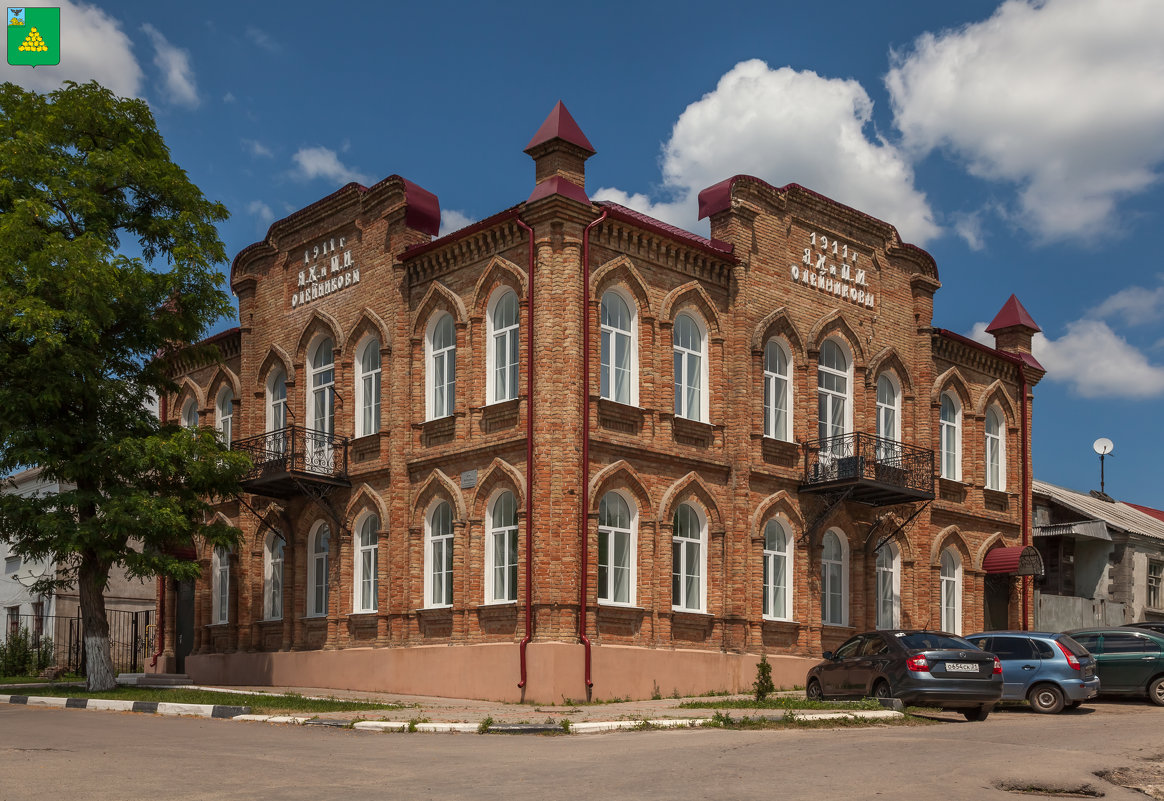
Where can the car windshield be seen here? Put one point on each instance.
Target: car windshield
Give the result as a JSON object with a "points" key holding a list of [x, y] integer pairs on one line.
{"points": [[1072, 646], [933, 641]]}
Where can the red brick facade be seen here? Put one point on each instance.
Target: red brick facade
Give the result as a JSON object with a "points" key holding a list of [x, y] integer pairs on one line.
{"points": [[760, 277]]}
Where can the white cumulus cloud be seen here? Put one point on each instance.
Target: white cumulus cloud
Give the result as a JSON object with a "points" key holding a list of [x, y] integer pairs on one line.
{"points": [[1135, 305], [261, 211], [453, 220], [177, 75], [322, 162], [785, 126], [93, 48], [1062, 99]]}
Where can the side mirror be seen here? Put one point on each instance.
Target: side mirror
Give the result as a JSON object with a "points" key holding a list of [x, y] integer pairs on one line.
{"points": [[827, 655]]}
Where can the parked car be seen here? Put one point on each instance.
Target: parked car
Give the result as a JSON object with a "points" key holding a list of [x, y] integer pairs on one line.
{"points": [[1129, 661], [1151, 625], [1052, 671], [921, 668]]}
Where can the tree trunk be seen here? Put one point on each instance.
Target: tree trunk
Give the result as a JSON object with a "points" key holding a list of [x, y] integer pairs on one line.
{"points": [[91, 580]]}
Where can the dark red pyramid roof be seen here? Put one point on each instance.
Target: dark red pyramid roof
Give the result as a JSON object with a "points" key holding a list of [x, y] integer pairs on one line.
{"points": [[560, 125], [1012, 314]]}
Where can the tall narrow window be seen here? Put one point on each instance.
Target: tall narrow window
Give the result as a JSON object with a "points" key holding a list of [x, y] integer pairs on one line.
{"points": [[690, 363], [776, 392], [616, 550], [888, 587], [687, 559], [220, 591], [951, 434], [618, 374], [439, 553], [273, 578], [501, 547], [888, 419], [367, 564], [951, 579], [277, 411], [503, 348], [834, 579], [317, 569], [190, 413], [368, 389], [995, 450], [442, 367], [777, 588], [832, 380], [224, 414], [321, 407]]}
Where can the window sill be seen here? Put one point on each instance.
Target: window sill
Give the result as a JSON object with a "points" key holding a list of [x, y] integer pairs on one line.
{"points": [[630, 607], [845, 626], [322, 616], [779, 621], [364, 613], [434, 610], [218, 625], [678, 610], [498, 604], [271, 620]]}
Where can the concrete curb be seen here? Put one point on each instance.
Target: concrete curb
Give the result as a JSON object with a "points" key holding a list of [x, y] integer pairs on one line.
{"points": [[112, 705]]}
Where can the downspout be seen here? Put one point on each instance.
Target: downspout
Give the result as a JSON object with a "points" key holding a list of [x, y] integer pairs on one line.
{"points": [[1025, 446], [529, 453], [162, 413], [584, 516]]}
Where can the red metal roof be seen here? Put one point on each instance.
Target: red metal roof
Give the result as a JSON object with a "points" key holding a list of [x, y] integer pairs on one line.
{"points": [[716, 247], [1010, 315], [1019, 559], [557, 185], [1025, 358], [560, 125]]}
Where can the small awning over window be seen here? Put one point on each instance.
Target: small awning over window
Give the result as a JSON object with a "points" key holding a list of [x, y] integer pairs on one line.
{"points": [[1021, 560], [1082, 529]]}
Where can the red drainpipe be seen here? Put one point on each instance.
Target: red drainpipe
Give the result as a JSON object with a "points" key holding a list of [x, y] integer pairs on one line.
{"points": [[1025, 446], [529, 453], [162, 413], [585, 514]]}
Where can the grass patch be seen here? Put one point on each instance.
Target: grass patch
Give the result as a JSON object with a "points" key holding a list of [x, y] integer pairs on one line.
{"points": [[724, 720], [260, 703], [781, 702], [37, 680]]}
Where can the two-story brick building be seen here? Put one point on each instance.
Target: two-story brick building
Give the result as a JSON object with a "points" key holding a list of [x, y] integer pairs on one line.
{"points": [[571, 449]]}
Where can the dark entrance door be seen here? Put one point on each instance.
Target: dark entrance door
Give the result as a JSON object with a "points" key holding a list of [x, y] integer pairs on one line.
{"points": [[997, 601], [184, 621]]}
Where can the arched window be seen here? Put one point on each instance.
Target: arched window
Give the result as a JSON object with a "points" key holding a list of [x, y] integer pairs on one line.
{"points": [[688, 557], [318, 545], [995, 450], [951, 579], [619, 381], [888, 587], [224, 415], [951, 439], [833, 407], [438, 574], [888, 418], [273, 577], [220, 589], [321, 387], [777, 392], [616, 550], [689, 346], [501, 550], [441, 344], [777, 569], [190, 413], [277, 411], [367, 564], [834, 586], [503, 352], [368, 389]]}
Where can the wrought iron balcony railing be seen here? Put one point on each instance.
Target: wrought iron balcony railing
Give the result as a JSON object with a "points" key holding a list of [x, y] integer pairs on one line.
{"points": [[293, 452], [881, 471]]}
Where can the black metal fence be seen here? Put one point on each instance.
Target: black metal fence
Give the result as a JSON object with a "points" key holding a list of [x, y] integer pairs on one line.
{"points": [[296, 449], [864, 456], [33, 644]]}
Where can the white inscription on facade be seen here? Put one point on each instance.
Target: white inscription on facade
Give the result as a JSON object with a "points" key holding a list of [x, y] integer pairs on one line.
{"points": [[830, 266], [325, 271]]}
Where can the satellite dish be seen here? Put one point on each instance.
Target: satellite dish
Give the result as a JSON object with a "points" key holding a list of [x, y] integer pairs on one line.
{"points": [[1103, 446]]}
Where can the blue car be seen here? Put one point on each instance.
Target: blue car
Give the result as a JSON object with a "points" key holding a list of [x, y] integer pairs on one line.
{"points": [[1051, 671]]}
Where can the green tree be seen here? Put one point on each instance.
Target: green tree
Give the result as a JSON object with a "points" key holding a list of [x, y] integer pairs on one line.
{"points": [[85, 332]]}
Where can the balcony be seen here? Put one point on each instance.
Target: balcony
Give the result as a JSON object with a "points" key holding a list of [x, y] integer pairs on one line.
{"points": [[875, 471], [284, 460]]}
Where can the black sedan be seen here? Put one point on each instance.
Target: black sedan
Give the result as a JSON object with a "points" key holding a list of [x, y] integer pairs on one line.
{"points": [[921, 668]]}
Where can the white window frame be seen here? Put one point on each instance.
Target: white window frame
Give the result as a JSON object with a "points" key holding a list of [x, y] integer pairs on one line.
{"points": [[220, 589], [1155, 585], [510, 335], [888, 417], [996, 442], [684, 603], [433, 541], [447, 357], [366, 542], [505, 591], [327, 387], [683, 355], [189, 417], [318, 569], [827, 425], [772, 559], [224, 415], [273, 559], [368, 388], [608, 532], [774, 381], [950, 436], [835, 583], [277, 410], [887, 569], [950, 595], [610, 335]]}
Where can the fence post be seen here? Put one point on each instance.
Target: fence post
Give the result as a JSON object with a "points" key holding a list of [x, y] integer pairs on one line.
{"points": [[133, 648]]}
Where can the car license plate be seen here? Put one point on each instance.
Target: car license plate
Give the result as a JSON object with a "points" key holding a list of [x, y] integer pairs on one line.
{"points": [[961, 667]]}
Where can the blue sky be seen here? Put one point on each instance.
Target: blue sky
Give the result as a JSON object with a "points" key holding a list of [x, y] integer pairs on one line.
{"points": [[1021, 144]]}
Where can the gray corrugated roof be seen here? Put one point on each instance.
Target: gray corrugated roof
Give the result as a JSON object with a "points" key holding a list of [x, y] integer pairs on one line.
{"points": [[1095, 529], [1116, 515]]}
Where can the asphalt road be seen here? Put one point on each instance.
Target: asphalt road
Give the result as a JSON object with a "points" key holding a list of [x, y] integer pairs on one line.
{"points": [[80, 755]]}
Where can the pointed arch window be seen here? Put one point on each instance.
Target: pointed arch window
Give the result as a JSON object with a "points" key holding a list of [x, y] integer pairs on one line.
{"points": [[689, 348], [995, 450], [503, 347], [777, 570], [220, 589], [619, 379], [321, 387], [888, 586], [951, 437], [833, 398], [224, 415], [273, 577], [190, 413], [317, 570], [368, 389], [277, 411], [441, 345], [688, 559], [834, 587], [438, 574], [616, 550], [367, 562], [501, 550], [777, 392], [951, 591]]}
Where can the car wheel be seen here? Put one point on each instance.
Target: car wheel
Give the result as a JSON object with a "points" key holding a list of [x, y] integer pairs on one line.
{"points": [[979, 714], [1156, 691], [1046, 698], [813, 691], [881, 690]]}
